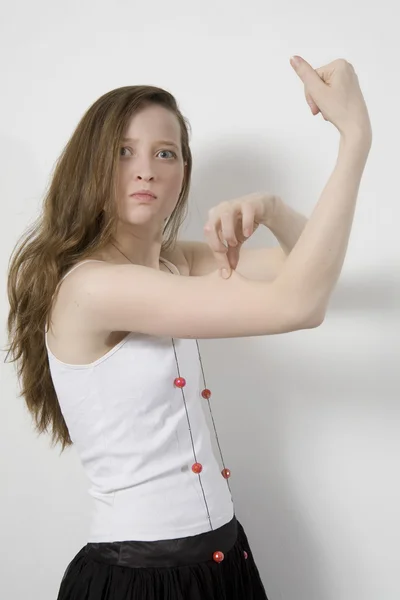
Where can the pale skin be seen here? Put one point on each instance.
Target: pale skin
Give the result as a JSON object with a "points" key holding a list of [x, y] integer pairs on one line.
{"points": [[147, 164], [268, 291], [160, 168]]}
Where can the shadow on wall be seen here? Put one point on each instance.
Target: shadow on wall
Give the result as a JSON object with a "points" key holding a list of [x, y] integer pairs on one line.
{"points": [[238, 166]]}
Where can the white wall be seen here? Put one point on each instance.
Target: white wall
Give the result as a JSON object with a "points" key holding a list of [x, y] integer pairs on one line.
{"points": [[309, 422]]}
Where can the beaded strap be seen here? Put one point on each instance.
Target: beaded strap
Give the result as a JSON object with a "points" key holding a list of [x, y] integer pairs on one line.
{"points": [[197, 467]]}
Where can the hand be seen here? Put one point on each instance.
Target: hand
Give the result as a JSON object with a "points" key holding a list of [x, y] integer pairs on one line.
{"points": [[233, 222], [333, 90]]}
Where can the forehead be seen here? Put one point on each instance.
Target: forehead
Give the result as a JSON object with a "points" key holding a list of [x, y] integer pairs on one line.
{"points": [[154, 122]]}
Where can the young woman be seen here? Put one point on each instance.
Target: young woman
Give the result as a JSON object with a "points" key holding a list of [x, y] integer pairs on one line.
{"points": [[105, 310]]}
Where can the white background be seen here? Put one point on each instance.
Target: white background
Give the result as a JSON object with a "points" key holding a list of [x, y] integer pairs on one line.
{"points": [[309, 422]]}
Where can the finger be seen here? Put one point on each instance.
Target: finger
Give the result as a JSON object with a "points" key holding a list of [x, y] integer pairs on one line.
{"points": [[233, 256], [312, 105], [248, 212], [308, 75], [218, 248], [228, 223]]}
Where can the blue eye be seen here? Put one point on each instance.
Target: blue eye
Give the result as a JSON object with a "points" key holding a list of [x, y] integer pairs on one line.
{"points": [[165, 151], [170, 151], [124, 148]]}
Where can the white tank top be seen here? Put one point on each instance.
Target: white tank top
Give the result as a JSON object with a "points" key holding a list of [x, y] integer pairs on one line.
{"points": [[129, 426]]}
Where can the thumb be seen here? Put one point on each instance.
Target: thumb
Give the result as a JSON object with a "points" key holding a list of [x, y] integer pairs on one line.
{"points": [[307, 74]]}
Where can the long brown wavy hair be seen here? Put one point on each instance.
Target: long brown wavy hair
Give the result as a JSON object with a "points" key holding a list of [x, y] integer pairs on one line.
{"points": [[72, 225]]}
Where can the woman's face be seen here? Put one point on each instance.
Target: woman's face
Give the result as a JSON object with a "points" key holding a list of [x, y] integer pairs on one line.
{"points": [[150, 158]]}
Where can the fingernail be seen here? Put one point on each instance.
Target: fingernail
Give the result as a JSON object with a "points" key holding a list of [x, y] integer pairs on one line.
{"points": [[225, 273], [295, 60]]}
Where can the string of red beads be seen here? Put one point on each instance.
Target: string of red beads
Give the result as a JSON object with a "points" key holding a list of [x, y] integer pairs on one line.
{"points": [[197, 468]]}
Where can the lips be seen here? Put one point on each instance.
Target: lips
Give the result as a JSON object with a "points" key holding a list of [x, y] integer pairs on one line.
{"points": [[145, 194]]}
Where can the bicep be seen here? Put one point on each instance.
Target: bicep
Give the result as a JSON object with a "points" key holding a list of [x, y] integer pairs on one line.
{"points": [[148, 301], [262, 264]]}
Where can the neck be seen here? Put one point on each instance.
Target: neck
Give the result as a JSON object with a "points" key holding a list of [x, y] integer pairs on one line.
{"points": [[139, 248], [136, 259]]}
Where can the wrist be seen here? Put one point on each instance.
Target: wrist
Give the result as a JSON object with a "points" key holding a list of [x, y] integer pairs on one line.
{"points": [[273, 208], [357, 138], [353, 153]]}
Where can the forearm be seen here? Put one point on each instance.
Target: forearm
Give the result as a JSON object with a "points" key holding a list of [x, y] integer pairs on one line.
{"points": [[313, 266], [286, 224]]}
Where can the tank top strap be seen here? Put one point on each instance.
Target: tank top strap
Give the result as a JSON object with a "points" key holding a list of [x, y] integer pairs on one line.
{"points": [[94, 260], [164, 260], [62, 279], [167, 262], [76, 266]]}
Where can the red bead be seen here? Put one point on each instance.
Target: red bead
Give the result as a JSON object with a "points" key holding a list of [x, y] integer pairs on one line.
{"points": [[197, 468], [245, 554], [206, 393], [226, 473], [180, 382], [218, 556]]}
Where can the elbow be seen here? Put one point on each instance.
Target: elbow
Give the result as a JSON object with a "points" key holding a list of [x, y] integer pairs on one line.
{"points": [[310, 319], [313, 321], [304, 314]]}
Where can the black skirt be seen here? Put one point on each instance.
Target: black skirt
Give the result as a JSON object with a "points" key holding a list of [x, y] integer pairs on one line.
{"points": [[217, 565]]}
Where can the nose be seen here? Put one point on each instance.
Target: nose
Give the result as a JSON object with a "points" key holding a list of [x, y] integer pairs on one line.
{"points": [[143, 170], [144, 176]]}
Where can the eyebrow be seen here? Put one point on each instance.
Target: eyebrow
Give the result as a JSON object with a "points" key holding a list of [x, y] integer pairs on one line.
{"points": [[164, 142]]}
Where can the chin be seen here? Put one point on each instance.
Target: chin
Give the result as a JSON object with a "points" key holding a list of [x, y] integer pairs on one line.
{"points": [[142, 220]]}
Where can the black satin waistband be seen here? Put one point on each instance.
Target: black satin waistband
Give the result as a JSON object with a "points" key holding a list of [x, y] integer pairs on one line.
{"points": [[166, 553]]}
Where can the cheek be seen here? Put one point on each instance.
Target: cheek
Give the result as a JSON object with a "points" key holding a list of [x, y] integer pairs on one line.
{"points": [[171, 179], [176, 179], [122, 178]]}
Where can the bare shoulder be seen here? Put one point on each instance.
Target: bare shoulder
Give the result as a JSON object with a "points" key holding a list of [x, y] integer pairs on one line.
{"points": [[198, 257], [71, 338], [104, 301], [179, 257]]}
